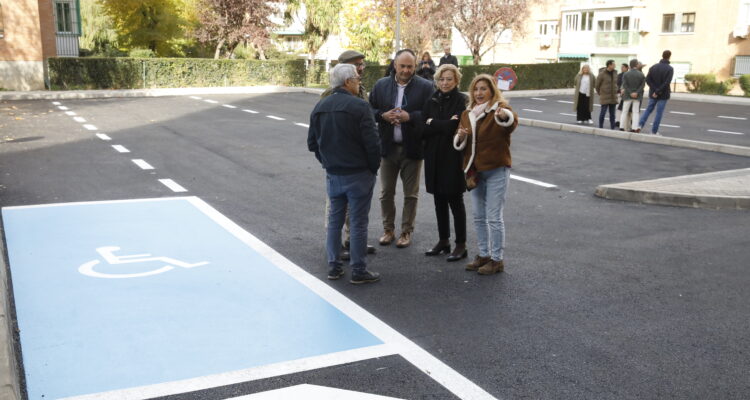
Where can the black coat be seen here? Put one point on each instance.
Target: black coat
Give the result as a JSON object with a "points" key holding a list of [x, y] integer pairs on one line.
{"points": [[659, 77], [426, 73], [443, 171]]}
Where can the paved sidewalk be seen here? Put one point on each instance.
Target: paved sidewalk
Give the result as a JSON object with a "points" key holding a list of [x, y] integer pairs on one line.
{"points": [[716, 190]]}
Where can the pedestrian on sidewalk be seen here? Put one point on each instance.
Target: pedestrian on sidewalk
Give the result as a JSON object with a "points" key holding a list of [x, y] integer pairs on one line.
{"points": [[484, 137], [618, 117], [583, 102], [426, 67], [343, 137], [658, 78], [606, 88], [443, 170], [358, 60], [397, 103], [633, 84], [447, 57]]}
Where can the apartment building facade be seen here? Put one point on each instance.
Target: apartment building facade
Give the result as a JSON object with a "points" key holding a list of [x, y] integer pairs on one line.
{"points": [[31, 31]]}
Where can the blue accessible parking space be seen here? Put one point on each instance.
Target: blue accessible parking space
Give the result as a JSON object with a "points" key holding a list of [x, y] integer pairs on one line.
{"points": [[116, 295]]}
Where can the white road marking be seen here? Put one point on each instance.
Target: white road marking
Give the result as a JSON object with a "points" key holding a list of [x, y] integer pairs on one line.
{"points": [[668, 126], [565, 101], [302, 125], [533, 181], [276, 118], [71, 113], [210, 101], [538, 98], [728, 117], [103, 136], [682, 113], [250, 111], [63, 108], [196, 97], [142, 164], [312, 392], [228, 106], [174, 186], [56, 103], [729, 132], [530, 110], [79, 119], [120, 148], [90, 127], [570, 115]]}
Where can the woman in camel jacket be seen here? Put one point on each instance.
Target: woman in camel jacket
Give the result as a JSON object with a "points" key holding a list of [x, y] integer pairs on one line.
{"points": [[484, 137]]}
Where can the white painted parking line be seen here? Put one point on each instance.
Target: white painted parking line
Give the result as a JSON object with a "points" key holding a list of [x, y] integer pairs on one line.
{"points": [[103, 136], [228, 106], [211, 101], [142, 164], [63, 108], [196, 97], [668, 126], [302, 125], [56, 103], [276, 118], [728, 117], [250, 111], [79, 119], [538, 98], [569, 115], [565, 101], [312, 392], [681, 113], [71, 113], [120, 148], [90, 127], [530, 110], [533, 181], [172, 185], [729, 132]]}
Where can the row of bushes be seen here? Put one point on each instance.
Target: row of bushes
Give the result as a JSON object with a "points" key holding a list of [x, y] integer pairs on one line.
{"points": [[707, 84], [136, 73]]}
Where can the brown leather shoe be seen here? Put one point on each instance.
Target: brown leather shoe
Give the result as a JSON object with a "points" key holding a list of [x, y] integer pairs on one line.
{"points": [[477, 263], [404, 240], [387, 238], [491, 267]]}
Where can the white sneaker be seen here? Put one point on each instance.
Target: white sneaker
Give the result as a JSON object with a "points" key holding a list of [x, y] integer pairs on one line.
{"points": [[591, 122], [657, 134]]}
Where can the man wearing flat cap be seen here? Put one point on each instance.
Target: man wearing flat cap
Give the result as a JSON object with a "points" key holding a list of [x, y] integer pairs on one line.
{"points": [[358, 60]]}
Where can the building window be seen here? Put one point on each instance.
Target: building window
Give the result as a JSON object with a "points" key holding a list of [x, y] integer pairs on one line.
{"points": [[63, 13], [2, 27], [571, 22], [587, 21], [667, 23], [622, 23], [688, 22], [604, 26], [547, 28]]}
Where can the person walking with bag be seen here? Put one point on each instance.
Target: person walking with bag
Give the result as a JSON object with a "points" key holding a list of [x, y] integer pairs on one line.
{"points": [[583, 101], [484, 137], [443, 170]]}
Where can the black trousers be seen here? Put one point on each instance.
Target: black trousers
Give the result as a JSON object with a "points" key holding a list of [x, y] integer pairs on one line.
{"points": [[582, 112], [456, 204]]}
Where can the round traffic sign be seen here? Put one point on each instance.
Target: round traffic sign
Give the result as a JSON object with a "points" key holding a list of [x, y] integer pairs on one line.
{"points": [[506, 78]]}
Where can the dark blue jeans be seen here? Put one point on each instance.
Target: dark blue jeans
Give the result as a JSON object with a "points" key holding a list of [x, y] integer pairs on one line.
{"points": [[355, 191], [659, 105], [603, 112]]}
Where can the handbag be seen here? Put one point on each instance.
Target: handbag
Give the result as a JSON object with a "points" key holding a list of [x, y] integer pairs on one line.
{"points": [[471, 178]]}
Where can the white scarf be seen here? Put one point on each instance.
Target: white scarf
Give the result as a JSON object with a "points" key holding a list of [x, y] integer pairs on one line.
{"points": [[478, 110]]}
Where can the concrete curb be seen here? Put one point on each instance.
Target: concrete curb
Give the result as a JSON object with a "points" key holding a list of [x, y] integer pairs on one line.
{"points": [[106, 94], [640, 137], [700, 98], [10, 387], [616, 192]]}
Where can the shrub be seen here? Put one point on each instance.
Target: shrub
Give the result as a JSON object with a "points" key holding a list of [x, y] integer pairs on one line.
{"points": [[745, 84], [141, 53], [530, 76], [707, 84]]}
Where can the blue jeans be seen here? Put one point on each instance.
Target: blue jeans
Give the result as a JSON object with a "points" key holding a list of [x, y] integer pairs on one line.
{"points": [[603, 112], [355, 191], [488, 199], [659, 104]]}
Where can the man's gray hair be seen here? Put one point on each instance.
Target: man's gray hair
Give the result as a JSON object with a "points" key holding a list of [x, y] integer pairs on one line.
{"points": [[634, 63], [340, 73]]}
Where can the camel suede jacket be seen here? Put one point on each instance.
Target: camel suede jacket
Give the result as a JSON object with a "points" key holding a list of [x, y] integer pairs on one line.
{"points": [[488, 144]]}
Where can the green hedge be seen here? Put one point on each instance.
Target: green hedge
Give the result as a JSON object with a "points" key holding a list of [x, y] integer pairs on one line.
{"points": [[530, 76], [129, 73], [745, 84], [707, 84]]}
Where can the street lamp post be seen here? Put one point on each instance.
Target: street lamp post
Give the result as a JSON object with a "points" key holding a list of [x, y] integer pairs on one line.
{"points": [[398, 25]]}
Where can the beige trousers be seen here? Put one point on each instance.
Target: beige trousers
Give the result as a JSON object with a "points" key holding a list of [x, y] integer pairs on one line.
{"points": [[392, 166]]}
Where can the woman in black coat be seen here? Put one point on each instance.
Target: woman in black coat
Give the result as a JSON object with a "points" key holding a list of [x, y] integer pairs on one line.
{"points": [[426, 67], [443, 172]]}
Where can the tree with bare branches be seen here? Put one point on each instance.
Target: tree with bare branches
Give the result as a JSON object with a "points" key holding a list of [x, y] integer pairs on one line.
{"points": [[481, 22], [227, 23]]}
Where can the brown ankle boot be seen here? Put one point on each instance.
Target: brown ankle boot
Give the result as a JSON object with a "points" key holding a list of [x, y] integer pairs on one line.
{"points": [[477, 263], [491, 267]]}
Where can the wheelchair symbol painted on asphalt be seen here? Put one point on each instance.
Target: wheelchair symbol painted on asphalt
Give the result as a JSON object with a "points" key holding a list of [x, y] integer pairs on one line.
{"points": [[107, 252]]}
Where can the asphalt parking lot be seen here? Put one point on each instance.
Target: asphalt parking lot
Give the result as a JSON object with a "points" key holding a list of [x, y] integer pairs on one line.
{"points": [[600, 299]]}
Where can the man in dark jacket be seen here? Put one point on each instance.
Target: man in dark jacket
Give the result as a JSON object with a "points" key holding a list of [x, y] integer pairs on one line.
{"points": [[342, 135], [606, 88], [658, 79], [397, 103], [447, 58]]}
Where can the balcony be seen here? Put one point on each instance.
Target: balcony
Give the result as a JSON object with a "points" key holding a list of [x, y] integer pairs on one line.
{"points": [[617, 39]]}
